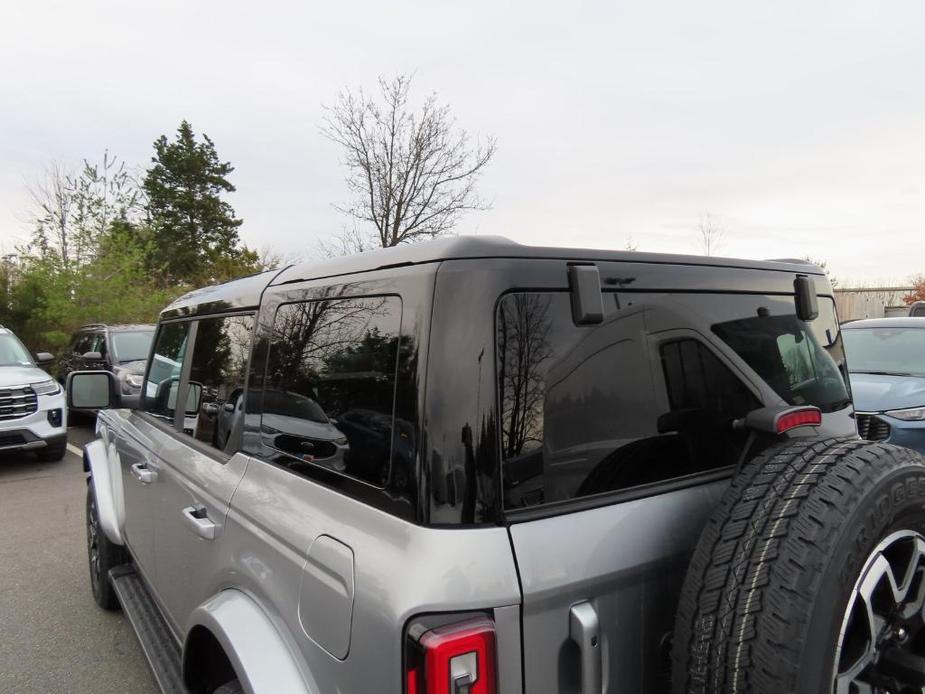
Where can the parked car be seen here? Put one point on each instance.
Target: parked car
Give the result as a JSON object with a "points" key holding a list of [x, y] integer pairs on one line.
{"points": [[33, 415], [888, 379], [564, 471], [122, 349]]}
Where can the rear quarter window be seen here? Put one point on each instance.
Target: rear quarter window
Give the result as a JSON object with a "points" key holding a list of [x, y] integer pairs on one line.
{"points": [[329, 397]]}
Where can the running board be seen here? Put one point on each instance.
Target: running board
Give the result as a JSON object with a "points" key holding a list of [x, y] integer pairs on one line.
{"points": [[157, 642]]}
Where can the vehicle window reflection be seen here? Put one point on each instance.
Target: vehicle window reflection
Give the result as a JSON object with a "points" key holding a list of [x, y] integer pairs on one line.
{"points": [[330, 387], [593, 409], [163, 379], [216, 382]]}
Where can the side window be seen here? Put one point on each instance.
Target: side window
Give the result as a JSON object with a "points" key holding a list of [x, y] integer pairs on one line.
{"points": [[99, 344], [216, 381], [592, 409], [330, 388], [163, 379], [83, 344]]}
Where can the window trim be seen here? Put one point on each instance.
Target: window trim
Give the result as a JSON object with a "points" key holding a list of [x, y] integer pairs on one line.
{"points": [[618, 496]]}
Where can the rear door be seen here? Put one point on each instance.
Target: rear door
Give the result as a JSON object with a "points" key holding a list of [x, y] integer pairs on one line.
{"points": [[613, 457]]}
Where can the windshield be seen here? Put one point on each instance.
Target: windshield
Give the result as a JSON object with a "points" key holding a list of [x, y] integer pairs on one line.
{"points": [[293, 405], [12, 352], [132, 346], [899, 351]]}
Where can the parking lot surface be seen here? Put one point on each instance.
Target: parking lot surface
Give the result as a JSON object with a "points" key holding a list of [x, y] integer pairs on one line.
{"points": [[55, 638]]}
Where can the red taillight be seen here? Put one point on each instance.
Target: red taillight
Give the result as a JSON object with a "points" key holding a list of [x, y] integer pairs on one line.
{"points": [[799, 418], [453, 659]]}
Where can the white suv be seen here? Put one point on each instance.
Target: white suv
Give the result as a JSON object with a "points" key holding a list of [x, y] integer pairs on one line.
{"points": [[33, 414]]}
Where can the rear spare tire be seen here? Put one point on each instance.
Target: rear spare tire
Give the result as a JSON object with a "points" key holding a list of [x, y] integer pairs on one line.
{"points": [[809, 576]]}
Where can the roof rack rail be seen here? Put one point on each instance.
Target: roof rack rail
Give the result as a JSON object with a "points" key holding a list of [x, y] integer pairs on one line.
{"points": [[92, 325]]}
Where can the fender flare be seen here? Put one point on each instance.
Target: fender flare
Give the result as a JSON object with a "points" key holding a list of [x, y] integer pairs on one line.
{"points": [[259, 654], [109, 505]]}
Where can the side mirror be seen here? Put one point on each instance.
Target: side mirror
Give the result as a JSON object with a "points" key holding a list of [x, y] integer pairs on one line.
{"points": [[193, 398], [228, 407], [97, 390], [92, 356], [90, 390], [44, 358]]}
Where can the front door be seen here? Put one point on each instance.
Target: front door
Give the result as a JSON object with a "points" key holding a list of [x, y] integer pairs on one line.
{"points": [[199, 477], [139, 444], [613, 459], [136, 447]]}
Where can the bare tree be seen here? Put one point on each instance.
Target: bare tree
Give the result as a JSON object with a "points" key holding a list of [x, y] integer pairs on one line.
{"points": [[72, 212], [712, 234], [347, 242], [413, 173], [270, 258], [53, 201]]}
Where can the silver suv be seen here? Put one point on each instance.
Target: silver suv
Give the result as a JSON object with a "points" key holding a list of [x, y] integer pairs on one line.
{"points": [[33, 416], [471, 466]]}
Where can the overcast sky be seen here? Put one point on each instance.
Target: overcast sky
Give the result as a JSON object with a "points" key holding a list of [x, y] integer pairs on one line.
{"points": [[799, 125]]}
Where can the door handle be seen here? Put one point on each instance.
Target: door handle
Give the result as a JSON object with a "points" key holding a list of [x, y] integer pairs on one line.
{"points": [[142, 473], [197, 520], [584, 630]]}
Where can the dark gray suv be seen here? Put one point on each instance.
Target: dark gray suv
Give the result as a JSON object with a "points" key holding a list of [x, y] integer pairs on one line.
{"points": [[121, 349], [471, 466]]}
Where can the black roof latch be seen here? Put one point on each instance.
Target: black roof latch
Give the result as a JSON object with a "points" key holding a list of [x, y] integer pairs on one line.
{"points": [[805, 300], [587, 301]]}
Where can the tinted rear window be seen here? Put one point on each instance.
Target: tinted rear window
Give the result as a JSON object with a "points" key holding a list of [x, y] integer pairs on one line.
{"points": [[648, 395], [593, 409]]}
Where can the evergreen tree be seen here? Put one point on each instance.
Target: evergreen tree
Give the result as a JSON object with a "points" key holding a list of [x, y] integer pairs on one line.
{"points": [[193, 229]]}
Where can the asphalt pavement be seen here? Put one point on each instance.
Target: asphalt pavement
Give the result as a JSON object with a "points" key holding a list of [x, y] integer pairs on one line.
{"points": [[53, 637]]}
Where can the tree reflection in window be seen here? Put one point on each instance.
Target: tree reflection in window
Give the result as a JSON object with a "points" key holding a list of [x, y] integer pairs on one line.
{"points": [[523, 347], [331, 384]]}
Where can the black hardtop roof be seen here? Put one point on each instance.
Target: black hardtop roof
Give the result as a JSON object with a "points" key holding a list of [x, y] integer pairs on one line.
{"points": [[240, 293], [899, 322], [466, 247], [245, 292]]}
